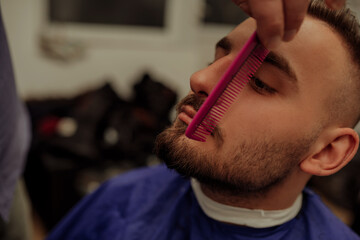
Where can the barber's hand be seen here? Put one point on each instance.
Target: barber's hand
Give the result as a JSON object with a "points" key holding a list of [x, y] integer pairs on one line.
{"points": [[279, 20]]}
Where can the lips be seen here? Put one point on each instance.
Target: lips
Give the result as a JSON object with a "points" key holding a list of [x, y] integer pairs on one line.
{"points": [[186, 114]]}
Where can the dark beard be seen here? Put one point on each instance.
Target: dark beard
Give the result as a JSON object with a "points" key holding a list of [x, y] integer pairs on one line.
{"points": [[166, 142], [253, 168]]}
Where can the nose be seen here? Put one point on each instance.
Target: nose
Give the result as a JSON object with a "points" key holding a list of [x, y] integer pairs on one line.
{"points": [[204, 80]]}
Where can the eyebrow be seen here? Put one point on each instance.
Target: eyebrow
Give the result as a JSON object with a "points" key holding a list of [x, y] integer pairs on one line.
{"points": [[272, 58], [282, 64]]}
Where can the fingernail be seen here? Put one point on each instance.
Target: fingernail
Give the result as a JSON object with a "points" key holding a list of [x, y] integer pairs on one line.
{"points": [[273, 42], [289, 35], [335, 5]]}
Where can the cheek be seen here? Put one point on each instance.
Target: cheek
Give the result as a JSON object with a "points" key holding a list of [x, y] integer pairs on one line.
{"points": [[270, 119]]}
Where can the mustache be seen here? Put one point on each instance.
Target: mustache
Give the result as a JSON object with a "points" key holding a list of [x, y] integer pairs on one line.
{"points": [[195, 101], [191, 100]]}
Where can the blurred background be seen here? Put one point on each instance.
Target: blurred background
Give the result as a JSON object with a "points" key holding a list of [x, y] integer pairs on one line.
{"points": [[63, 47], [100, 79]]}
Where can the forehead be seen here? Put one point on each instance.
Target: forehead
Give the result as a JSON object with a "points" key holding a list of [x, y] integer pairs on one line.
{"points": [[317, 54]]}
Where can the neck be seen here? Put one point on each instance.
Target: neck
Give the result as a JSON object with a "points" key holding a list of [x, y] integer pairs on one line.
{"points": [[280, 196]]}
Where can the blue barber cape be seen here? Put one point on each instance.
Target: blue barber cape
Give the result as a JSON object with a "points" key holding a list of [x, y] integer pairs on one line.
{"points": [[158, 204]]}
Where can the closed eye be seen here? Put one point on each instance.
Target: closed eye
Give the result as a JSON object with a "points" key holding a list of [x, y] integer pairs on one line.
{"points": [[261, 87]]}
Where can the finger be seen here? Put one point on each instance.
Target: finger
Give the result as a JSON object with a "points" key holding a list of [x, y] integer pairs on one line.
{"points": [[335, 4], [270, 21], [294, 13]]}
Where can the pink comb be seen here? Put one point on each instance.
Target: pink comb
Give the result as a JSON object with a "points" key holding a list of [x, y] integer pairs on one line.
{"points": [[227, 89]]}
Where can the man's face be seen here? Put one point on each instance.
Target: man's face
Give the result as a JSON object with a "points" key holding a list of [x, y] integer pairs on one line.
{"points": [[277, 117]]}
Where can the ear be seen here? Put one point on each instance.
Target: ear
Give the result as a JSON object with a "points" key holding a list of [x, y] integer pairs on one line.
{"points": [[332, 152]]}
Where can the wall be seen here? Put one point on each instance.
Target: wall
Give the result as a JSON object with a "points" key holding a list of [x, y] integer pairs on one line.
{"points": [[355, 6], [116, 53]]}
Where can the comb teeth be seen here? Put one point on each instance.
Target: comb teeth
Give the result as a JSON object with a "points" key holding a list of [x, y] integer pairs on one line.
{"points": [[227, 90]]}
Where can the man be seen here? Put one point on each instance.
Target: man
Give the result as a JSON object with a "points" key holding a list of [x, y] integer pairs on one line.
{"points": [[247, 181]]}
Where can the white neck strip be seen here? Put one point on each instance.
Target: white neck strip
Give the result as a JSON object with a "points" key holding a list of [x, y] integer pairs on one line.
{"points": [[256, 218]]}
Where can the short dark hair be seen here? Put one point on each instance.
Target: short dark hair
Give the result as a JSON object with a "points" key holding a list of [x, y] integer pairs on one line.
{"points": [[343, 21], [345, 106]]}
